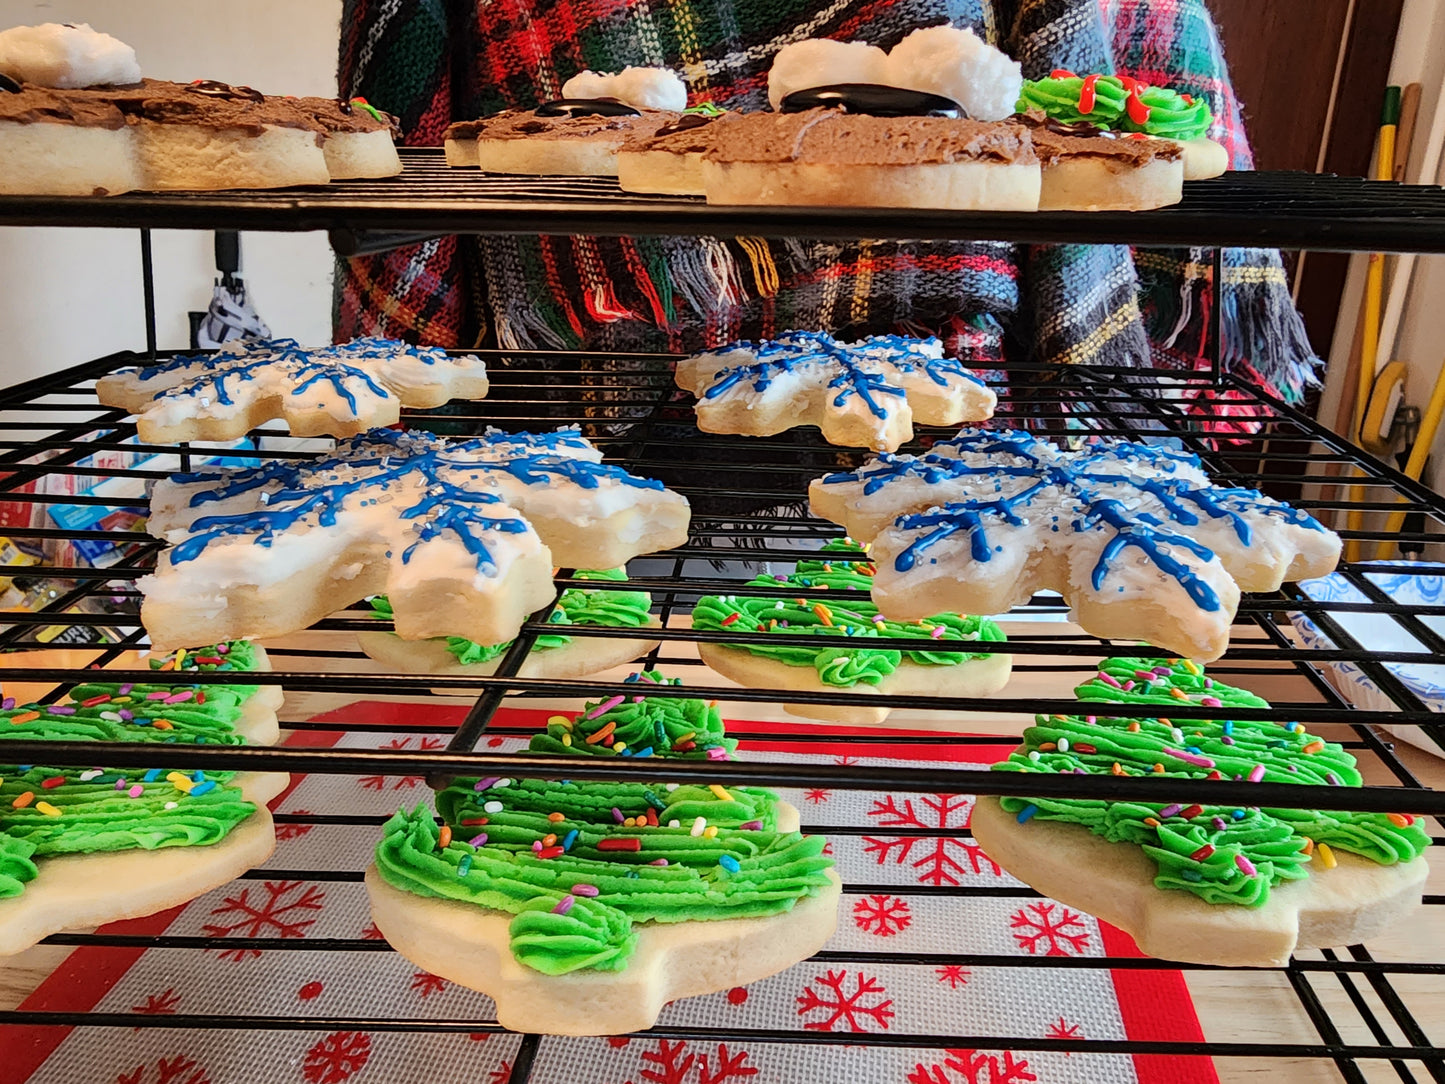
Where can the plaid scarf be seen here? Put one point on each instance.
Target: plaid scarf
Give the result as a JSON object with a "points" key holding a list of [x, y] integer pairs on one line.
{"points": [[1082, 304]]}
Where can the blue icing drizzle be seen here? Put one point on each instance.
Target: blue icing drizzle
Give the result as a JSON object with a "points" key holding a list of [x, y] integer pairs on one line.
{"points": [[375, 459], [1077, 477], [1147, 537], [243, 361], [853, 375]]}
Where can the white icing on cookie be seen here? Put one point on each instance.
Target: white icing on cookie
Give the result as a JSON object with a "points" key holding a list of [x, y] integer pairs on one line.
{"points": [[399, 512], [331, 387], [642, 88], [67, 57], [820, 62], [872, 387], [960, 65], [988, 518]]}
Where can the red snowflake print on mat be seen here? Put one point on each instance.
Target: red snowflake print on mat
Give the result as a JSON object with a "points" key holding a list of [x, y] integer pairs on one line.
{"points": [[973, 1067], [278, 914], [672, 1063], [816, 795], [425, 983], [159, 1004], [954, 975], [337, 1057], [851, 1010], [294, 831], [501, 1074], [1064, 1030], [372, 933], [882, 916], [404, 782], [846, 761], [1049, 929], [167, 1071], [939, 860]]}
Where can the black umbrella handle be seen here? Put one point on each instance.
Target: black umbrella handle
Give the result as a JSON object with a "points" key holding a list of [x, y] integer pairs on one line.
{"points": [[228, 255]]}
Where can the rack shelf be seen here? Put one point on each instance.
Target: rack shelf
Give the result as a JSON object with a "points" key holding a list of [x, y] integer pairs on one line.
{"points": [[627, 405], [1284, 210]]}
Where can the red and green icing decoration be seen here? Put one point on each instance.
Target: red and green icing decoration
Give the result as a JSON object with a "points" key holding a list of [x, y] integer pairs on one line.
{"points": [[1223, 854], [1117, 102]]}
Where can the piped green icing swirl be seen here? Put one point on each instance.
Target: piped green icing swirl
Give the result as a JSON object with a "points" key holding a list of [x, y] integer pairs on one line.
{"points": [[192, 713], [46, 812], [1222, 854], [1170, 115], [640, 726], [858, 622], [1059, 98], [600, 606], [701, 853]]}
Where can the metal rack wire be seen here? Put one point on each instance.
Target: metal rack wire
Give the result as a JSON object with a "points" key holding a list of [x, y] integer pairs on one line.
{"points": [[1367, 1013], [627, 406], [1287, 210]]}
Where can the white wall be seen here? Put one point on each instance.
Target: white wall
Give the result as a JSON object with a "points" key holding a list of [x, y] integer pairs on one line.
{"points": [[70, 295]]}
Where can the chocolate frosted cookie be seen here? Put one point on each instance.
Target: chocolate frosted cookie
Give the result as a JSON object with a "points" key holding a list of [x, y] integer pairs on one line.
{"points": [[1087, 168], [77, 118], [568, 138], [669, 160], [828, 157]]}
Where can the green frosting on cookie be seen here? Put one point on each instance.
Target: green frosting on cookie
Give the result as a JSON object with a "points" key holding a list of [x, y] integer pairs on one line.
{"points": [[55, 811], [1222, 854], [640, 726], [1157, 111], [1060, 98], [858, 622], [581, 865], [577, 606], [1171, 115]]}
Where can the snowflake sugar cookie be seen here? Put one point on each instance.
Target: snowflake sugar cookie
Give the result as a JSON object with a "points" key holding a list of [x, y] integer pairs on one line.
{"points": [[461, 535], [1136, 538], [336, 391], [862, 394]]}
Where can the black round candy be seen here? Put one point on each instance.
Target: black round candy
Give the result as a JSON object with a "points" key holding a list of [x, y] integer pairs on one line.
{"points": [[873, 99], [6, 83], [586, 107]]}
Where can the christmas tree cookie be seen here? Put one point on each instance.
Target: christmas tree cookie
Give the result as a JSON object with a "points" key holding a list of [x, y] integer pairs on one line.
{"points": [[1118, 106], [554, 654], [582, 908], [1201, 882], [82, 847], [864, 661]]}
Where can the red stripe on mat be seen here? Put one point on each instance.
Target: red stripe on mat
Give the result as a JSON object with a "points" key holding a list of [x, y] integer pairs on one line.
{"points": [[88, 974], [1156, 1007]]}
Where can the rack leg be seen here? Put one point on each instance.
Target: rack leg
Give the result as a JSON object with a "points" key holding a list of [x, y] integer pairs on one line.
{"points": [[148, 284], [1216, 318]]}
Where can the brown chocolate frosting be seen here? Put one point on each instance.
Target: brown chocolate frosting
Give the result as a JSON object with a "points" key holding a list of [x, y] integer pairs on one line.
{"points": [[831, 137], [340, 115], [1051, 147], [517, 124], [691, 133], [42, 105]]}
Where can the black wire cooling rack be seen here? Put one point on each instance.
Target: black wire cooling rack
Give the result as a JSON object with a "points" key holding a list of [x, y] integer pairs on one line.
{"points": [[1370, 1015], [1276, 209]]}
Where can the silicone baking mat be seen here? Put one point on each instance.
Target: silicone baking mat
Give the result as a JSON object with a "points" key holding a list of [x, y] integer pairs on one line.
{"points": [[903, 905]]}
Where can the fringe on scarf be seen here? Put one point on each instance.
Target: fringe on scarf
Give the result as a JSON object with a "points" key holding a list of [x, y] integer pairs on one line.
{"points": [[1263, 336]]}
